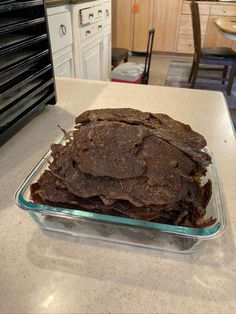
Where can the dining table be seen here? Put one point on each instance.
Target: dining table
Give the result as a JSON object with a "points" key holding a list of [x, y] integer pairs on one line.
{"points": [[227, 27]]}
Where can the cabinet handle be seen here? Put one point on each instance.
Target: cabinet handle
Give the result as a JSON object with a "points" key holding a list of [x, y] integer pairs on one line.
{"points": [[90, 15], [99, 26], [107, 12], [87, 33], [99, 11], [62, 30]]}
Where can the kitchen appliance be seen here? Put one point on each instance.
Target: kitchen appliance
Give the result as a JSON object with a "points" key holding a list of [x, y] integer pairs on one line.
{"points": [[26, 71]]}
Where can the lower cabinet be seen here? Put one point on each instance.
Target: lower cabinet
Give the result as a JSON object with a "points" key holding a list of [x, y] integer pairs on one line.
{"points": [[107, 54], [209, 12], [91, 23], [172, 21], [61, 38], [133, 18], [91, 61], [213, 36], [64, 65]]}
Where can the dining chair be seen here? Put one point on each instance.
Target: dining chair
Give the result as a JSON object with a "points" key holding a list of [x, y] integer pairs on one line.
{"points": [[131, 72], [218, 55]]}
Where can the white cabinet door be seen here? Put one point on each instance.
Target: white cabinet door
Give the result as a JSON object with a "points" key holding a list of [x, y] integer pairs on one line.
{"points": [[92, 61], [107, 55]]}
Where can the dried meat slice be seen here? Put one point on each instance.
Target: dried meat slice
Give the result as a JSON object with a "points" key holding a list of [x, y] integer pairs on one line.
{"points": [[109, 149], [174, 132]]}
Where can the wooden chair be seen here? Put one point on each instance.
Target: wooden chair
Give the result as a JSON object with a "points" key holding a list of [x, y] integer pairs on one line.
{"points": [[222, 55], [131, 72]]}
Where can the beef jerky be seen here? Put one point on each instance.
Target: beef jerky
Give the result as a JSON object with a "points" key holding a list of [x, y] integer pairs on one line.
{"points": [[178, 134], [132, 164]]}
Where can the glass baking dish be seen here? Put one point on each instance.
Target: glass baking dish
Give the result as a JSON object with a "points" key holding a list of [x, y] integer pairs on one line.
{"points": [[118, 229]]}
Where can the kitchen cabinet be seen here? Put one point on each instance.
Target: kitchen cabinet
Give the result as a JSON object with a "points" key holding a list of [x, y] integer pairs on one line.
{"points": [[107, 46], [133, 18], [142, 22], [60, 28], [122, 24], [63, 63], [209, 11], [185, 42], [107, 54], [172, 21], [91, 61], [213, 36], [165, 20], [92, 39]]}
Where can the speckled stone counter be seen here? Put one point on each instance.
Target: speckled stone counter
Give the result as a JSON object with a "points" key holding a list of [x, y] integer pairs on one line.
{"points": [[53, 3], [43, 272]]}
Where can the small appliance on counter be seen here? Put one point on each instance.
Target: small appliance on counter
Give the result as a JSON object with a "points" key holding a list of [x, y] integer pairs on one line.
{"points": [[26, 72]]}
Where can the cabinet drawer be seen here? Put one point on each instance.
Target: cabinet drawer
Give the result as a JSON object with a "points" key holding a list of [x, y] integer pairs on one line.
{"points": [[86, 32], [204, 9], [87, 16], [91, 30], [97, 28], [229, 10], [185, 43], [185, 26], [60, 31], [98, 12]]}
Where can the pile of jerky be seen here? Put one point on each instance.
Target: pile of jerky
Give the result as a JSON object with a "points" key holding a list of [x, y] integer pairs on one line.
{"points": [[129, 163]]}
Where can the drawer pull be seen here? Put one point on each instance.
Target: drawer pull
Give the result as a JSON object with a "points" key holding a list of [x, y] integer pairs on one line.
{"points": [[107, 12], [62, 30], [99, 11], [99, 26], [90, 15], [87, 33]]}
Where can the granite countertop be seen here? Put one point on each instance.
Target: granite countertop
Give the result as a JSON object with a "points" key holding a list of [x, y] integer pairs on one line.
{"points": [[56, 2], [46, 272], [52, 3]]}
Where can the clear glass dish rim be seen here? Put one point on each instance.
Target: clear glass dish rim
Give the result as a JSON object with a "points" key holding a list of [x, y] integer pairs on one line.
{"points": [[206, 233]]}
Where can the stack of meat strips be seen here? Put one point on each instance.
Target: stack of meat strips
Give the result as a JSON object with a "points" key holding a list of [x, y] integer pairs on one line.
{"points": [[132, 164]]}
